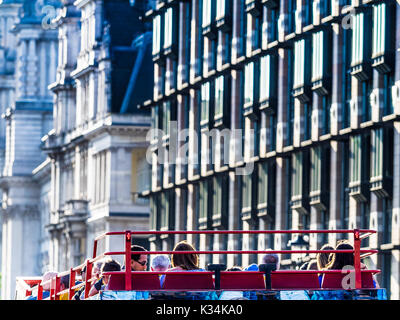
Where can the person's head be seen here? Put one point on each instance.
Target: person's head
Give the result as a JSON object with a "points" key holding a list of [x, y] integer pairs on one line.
{"points": [[160, 263], [138, 261], [46, 279], [312, 265], [96, 271], [341, 259], [110, 265], [188, 261], [323, 257], [234, 268], [83, 273], [271, 258], [64, 282]]}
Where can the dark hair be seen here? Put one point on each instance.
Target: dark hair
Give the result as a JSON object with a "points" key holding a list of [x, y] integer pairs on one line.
{"points": [[136, 256], [65, 281], [323, 257], [234, 268], [341, 259], [111, 266], [312, 265], [188, 261]]}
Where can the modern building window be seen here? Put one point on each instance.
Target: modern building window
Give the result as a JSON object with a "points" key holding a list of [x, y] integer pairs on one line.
{"points": [[309, 12], [249, 84], [203, 203], [388, 79], [358, 39], [355, 158], [377, 153], [166, 118], [153, 212], [219, 97], [243, 29], [247, 191], [299, 67], [288, 193], [262, 184], [157, 40], [326, 114], [318, 56], [221, 9], [387, 220], [346, 76], [325, 7], [207, 13], [316, 169], [165, 210], [220, 201], [272, 133], [168, 28], [292, 16], [297, 170], [205, 104], [307, 120], [266, 189], [290, 104], [187, 42], [273, 15], [379, 30], [345, 179], [268, 78], [367, 88]]}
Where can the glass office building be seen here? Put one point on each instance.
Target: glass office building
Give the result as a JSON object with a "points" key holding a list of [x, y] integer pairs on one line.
{"points": [[277, 115]]}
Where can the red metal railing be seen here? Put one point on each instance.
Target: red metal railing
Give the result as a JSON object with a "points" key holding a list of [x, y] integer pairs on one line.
{"points": [[55, 291]]}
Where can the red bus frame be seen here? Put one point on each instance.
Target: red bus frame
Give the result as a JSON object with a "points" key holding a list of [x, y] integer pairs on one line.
{"points": [[55, 292]]}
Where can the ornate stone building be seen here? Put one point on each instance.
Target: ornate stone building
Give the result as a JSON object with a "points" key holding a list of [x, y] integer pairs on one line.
{"points": [[314, 88], [98, 142], [30, 53], [74, 138]]}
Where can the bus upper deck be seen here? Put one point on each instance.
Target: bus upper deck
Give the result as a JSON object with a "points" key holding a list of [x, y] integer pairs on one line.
{"points": [[265, 283]]}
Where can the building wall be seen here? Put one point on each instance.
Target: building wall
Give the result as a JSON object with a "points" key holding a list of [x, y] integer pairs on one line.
{"points": [[69, 159], [316, 98]]}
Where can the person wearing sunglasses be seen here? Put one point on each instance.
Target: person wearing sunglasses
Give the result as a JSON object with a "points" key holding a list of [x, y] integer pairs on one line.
{"points": [[138, 261]]}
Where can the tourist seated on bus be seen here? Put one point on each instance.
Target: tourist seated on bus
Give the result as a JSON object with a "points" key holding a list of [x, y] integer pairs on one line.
{"points": [[185, 262], [138, 261], [101, 284], [323, 259], [80, 293], [64, 284], [45, 285], [189, 262], [160, 263], [337, 261]]}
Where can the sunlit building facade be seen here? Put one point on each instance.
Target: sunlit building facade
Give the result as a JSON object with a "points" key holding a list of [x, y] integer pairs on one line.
{"points": [[313, 88]]}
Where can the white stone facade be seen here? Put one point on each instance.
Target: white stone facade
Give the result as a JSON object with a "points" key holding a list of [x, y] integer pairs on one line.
{"points": [[73, 166]]}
